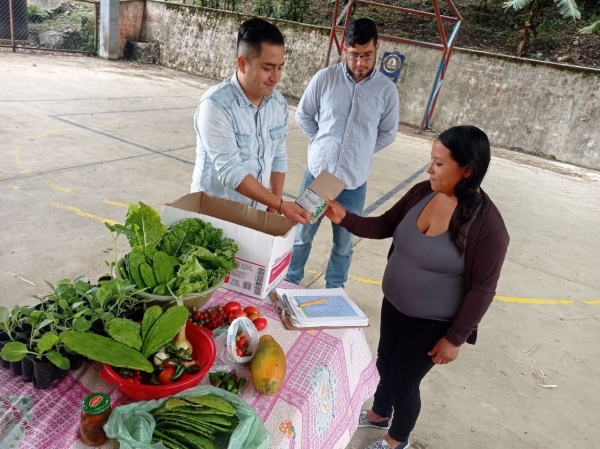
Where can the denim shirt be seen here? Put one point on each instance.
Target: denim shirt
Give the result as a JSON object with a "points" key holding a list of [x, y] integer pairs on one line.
{"points": [[236, 139], [356, 120]]}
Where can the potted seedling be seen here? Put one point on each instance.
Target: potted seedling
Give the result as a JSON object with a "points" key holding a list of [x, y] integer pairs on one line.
{"points": [[45, 358], [5, 333]]}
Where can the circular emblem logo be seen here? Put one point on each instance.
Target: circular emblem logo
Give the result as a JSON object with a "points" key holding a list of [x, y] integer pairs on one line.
{"points": [[391, 63]]}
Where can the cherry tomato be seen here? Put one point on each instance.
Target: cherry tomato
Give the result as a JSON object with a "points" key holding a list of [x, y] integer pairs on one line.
{"points": [[253, 316], [241, 341], [260, 323], [250, 310], [239, 313], [165, 377], [239, 352], [232, 307]]}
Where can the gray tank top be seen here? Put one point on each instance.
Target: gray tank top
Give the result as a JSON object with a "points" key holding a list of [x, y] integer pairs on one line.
{"points": [[424, 275]]}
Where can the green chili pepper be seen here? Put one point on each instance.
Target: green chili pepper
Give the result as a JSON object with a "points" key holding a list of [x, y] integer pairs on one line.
{"points": [[154, 379], [178, 373], [241, 383], [174, 362], [184, 354], [230, 385]]}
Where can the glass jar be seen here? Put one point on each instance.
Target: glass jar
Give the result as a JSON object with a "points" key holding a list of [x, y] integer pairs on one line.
{"points": [[94, 414]]}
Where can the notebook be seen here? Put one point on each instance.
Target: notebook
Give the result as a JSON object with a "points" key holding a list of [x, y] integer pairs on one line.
{"points": [[320, 308]]}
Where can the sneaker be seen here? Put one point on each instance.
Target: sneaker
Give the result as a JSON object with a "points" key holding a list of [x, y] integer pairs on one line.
{"points": [[363, 421], [382, 444]]}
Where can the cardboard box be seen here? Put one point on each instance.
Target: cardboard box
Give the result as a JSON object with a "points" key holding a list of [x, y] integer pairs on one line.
{"points": [[265, 239], [313, 199]]}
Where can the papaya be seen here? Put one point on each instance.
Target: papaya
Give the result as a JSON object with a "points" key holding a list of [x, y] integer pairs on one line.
{"points": [[268, 366]]}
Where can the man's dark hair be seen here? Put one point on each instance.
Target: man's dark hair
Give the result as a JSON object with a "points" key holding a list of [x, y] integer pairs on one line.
{"points": [[251, 35], [361, 32]]}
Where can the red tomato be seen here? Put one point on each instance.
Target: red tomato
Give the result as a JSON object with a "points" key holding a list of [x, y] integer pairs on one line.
{"points": [[241, 341], [239, 313], [232, 307], [260, 323], [165, 377], [253, 316], [250, 310], [239, 352]]}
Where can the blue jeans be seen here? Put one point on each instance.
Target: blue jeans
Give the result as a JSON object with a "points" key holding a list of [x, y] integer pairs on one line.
{"points": [[341, 253]]}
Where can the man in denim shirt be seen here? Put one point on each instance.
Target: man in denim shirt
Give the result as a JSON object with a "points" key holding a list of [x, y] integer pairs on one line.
{"points": [[241, 126], [357, 109]]}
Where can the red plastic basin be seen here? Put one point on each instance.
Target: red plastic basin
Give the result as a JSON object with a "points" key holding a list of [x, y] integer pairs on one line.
{"points": [[204, 353]]}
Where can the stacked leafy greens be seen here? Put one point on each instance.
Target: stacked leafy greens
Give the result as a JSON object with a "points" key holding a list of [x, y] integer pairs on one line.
{"points": [[188, 257]]}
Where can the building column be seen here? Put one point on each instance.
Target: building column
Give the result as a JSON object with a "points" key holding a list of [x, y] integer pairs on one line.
{"points": [[108, 47]]}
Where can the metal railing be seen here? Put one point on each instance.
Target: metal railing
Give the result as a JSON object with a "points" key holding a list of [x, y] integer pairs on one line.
{"points": [[49, 25]]}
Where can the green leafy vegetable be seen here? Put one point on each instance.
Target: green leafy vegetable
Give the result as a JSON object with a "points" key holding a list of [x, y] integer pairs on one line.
{"points": [[180, 235], [150, 317], [125, 331], [144, 228], [106, 350], [164, 329], [14, 351]]}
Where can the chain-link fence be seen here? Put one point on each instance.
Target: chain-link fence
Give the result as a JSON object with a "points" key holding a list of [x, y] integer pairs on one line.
{"points": [[50, 25]]}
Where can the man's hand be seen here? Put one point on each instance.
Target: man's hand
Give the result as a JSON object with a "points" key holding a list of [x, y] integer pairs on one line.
{"points": [[335, 211], [294, 213], [443, 352]]}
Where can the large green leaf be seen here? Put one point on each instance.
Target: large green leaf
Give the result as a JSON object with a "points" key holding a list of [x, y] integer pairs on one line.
{"points": [[569, 9], [144, 227], [593, 28], [4, 318], [13, 351], [125, 331], [105, 350], [516, 4], [180, 235]]}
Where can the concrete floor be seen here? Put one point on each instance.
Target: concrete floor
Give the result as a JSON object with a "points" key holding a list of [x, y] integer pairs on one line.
{"points": [[81, 138]]}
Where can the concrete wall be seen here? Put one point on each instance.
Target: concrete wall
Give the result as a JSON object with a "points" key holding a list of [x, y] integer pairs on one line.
{"points": [[131, 15], [538, 108]]}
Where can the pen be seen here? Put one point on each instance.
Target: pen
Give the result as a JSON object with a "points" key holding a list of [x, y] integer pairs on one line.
{"points": [[312, 303]]}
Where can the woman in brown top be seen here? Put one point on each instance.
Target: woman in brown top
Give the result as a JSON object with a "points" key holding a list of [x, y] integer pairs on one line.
{"points": [[449, 243]]}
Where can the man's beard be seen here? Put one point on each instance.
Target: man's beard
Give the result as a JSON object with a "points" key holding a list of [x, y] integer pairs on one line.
{"points": [[359, 76]]}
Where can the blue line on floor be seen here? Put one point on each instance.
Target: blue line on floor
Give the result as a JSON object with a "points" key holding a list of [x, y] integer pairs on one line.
{"points": [[394, 191], [120, 139]]}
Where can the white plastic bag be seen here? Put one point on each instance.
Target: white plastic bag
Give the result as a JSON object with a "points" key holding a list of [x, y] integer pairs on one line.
{"points": [[225, 341]]}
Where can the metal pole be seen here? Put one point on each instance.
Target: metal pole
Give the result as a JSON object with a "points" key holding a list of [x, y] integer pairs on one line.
{"points": [[96, 17], [332, 34], [12, 25], [438, 19]]}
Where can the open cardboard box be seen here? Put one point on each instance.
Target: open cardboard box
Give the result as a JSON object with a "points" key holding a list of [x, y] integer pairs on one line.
{"points": [[265, 239]]}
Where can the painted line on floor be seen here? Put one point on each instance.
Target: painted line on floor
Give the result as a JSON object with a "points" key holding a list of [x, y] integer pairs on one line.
{"points": [[389, 195], [120, 139], [82, 213], [115, 203], [510, 299]]}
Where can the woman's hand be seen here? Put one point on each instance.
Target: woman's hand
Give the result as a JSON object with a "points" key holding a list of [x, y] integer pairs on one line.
{"points": [[443, 352], [335, 211]]}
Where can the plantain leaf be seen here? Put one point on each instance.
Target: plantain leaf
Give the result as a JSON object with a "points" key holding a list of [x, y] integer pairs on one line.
{"points": [[569, 9], [516, 4], [593, 28]]}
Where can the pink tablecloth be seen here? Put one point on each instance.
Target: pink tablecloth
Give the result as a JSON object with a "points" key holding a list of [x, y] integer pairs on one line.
{"points": [[330, 374]]}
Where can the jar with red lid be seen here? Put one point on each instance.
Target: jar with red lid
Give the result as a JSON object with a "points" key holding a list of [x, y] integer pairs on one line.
{"points": [[94, 414]]}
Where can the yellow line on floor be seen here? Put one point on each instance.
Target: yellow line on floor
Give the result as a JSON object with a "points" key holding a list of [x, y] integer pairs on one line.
{"points": [[82, 213], [59, 188], [566, 302], [115, 203], [19, 162], [52, 133]]}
